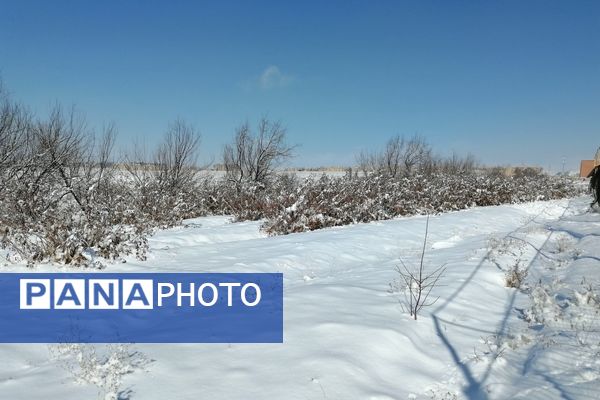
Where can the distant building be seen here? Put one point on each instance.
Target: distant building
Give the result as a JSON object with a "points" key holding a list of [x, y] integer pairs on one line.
{"points": [[588, 165]]}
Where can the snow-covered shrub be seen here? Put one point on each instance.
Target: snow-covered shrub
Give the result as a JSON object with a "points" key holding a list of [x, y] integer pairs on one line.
{"points": [[515, 277], [58, 197], [587, 296], [505, 251], [564, 244], [62, 200], [439, 392], [333, 201], [507, 254], [102, 366], [543, 305]]}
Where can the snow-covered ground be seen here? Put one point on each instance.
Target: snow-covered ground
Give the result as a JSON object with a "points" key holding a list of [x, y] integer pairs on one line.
{"points": [[346, 335]]}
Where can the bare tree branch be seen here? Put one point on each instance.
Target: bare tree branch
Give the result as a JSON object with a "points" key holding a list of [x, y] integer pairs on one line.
{"points": [[254, 157]]}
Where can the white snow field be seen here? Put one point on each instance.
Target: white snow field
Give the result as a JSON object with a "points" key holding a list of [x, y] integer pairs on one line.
{"points": [[346, 335]]}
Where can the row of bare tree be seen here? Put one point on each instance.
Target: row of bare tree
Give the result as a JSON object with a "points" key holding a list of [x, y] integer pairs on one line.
{"points": [[63, 190], [404, 156], [76, 155]]}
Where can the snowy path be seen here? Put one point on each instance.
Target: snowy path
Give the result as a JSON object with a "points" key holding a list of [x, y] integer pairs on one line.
{"points": [[346, 336]]}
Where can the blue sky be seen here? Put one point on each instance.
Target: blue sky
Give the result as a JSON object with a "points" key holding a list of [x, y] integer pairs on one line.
{"points": [[513, 82]]}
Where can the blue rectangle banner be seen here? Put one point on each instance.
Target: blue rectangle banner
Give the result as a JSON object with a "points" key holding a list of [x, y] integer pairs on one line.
{"points": [[141, 308]]}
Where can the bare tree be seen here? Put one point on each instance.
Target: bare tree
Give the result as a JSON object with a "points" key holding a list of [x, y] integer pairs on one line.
{"points": [[60, 172], [96, 168], [15, 127], [177, 155], [432, 164], [49, 159], [415, 153], [367, 162], [254, 157], [392, 155], [400, 155], [419, 283], [173, 165], [161, 180], [387, 162], [456, 164]]}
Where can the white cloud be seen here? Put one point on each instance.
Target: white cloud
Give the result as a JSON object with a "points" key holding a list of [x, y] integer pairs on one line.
{"points": [[272, 77]]}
